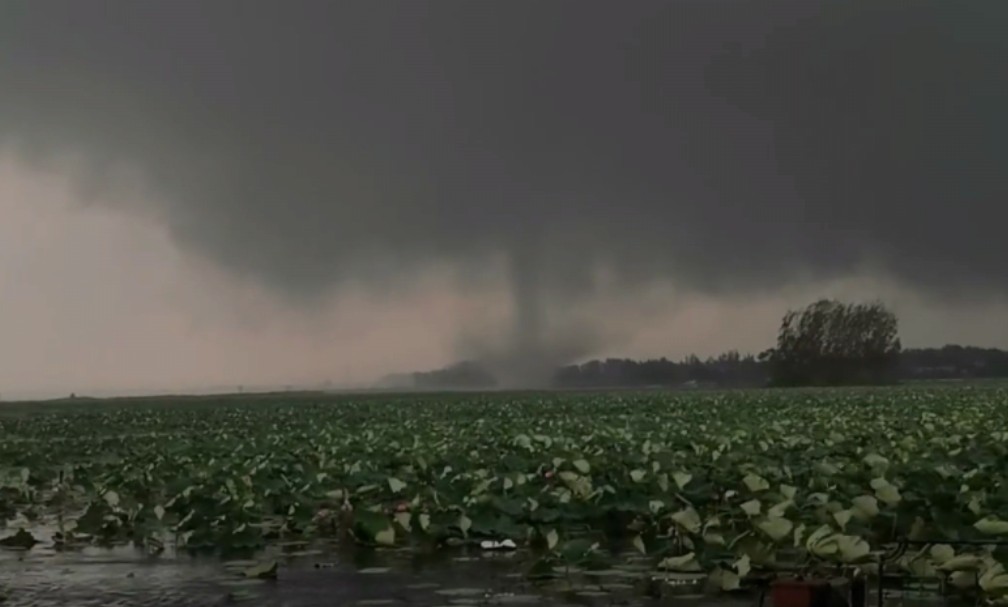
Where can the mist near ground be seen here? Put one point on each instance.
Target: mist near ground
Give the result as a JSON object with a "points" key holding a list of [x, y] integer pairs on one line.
{"points": [[370, 186]]}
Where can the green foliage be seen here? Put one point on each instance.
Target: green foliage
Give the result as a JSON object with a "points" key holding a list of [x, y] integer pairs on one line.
{"points": [[262, 571], [715, 482], [21, 539]]}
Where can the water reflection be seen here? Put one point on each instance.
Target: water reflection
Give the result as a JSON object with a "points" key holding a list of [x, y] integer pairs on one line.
{"points": [[309, 576]]}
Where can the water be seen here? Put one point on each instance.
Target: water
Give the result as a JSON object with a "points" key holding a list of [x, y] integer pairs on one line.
{"points": [[330, 576], [126, 578]]}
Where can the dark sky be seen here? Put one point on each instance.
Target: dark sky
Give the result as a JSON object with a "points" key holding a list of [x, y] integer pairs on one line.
{"points": [[723, 145]]}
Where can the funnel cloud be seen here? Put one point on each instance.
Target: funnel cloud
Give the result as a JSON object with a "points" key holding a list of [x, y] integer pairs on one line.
{"points": [[726, 147]]}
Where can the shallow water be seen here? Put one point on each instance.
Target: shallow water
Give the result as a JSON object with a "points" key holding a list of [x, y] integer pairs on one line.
{"points": [[125, 578], [325, 576]]}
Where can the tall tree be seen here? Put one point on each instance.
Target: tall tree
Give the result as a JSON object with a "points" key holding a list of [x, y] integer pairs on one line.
{"points": [[833, 343]]}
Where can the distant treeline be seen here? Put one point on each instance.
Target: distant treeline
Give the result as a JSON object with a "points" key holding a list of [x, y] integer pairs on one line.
{"points": [[462, 376], [728, 370], [731, 369]]}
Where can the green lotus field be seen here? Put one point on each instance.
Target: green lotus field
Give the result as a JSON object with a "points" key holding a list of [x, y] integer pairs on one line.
{"points": [[727, 483]]}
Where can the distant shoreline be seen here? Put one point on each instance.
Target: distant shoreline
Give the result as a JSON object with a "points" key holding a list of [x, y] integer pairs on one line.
{"points": [[431, 392]]}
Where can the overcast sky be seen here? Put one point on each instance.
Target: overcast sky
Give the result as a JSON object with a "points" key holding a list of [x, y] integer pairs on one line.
{"points": [[198, 194]]}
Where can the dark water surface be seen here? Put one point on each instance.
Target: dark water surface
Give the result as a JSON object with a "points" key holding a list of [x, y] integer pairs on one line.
{"points": [[327, 575], [124, 577]]}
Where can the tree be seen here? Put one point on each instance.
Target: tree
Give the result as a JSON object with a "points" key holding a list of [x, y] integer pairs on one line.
{"points": [[832, 343]]}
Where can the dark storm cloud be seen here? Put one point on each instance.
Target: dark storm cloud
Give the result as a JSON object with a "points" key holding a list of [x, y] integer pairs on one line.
{"points": [[726, 145]]}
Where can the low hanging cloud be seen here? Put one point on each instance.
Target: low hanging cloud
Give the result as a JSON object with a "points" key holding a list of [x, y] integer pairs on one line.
{"points": [[726, 147]]}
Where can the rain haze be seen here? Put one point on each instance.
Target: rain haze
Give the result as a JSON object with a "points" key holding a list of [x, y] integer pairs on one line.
{"points": [[197, 195]]}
